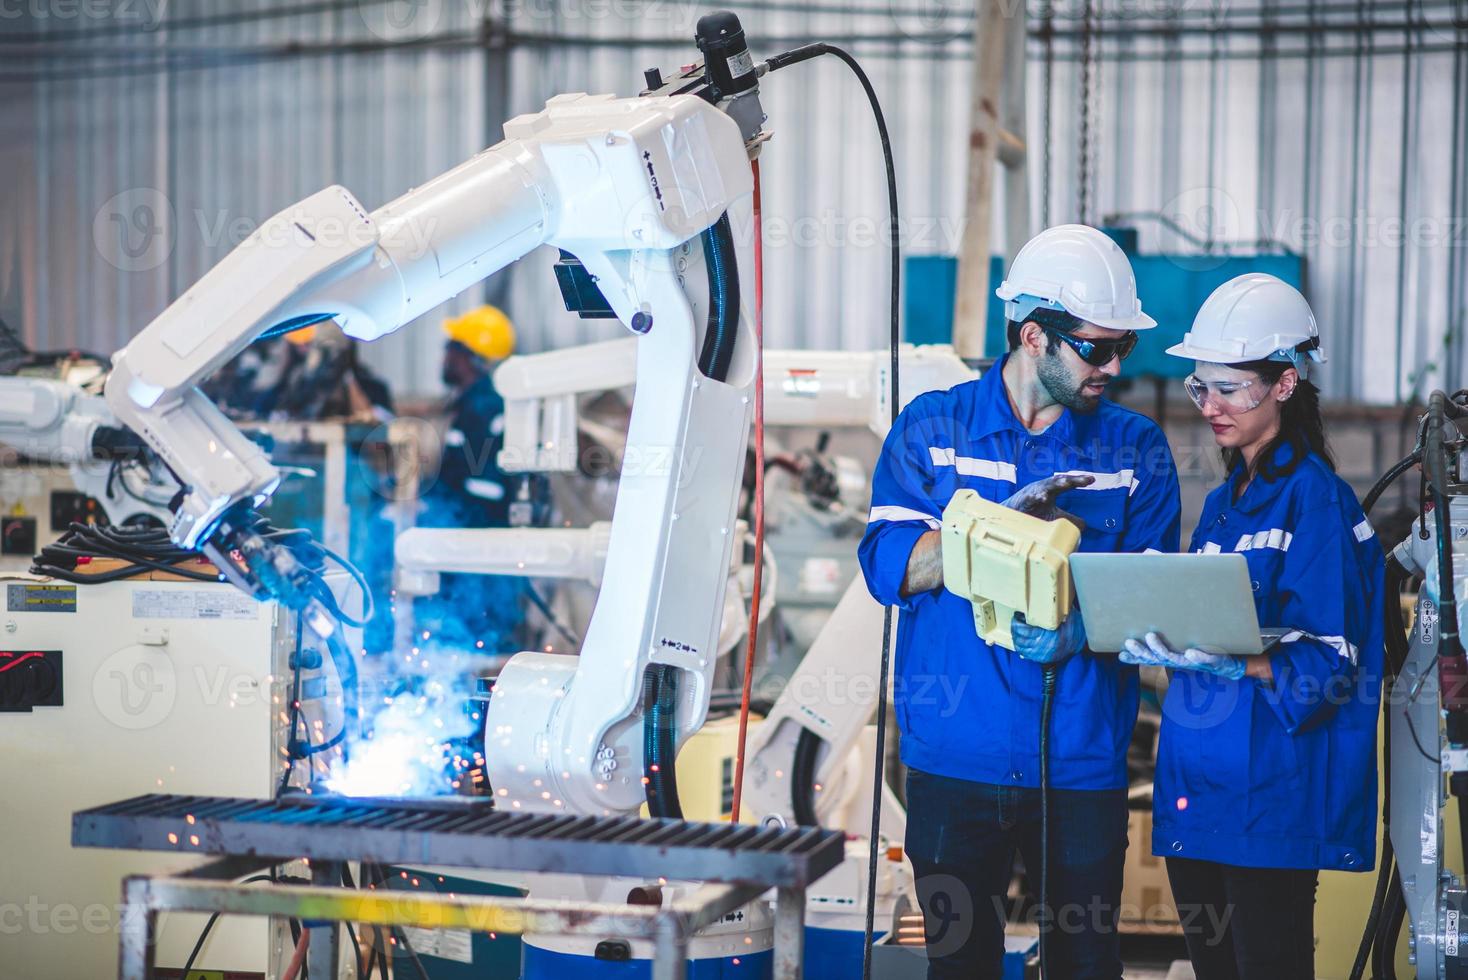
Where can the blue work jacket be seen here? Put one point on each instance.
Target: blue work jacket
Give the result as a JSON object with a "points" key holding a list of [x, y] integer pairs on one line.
{"points": [[967, 709], [1283, 774]]}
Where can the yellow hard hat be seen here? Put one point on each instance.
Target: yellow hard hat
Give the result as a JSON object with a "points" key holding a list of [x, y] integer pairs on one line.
{"points": [[303, 336], [485, 330]]}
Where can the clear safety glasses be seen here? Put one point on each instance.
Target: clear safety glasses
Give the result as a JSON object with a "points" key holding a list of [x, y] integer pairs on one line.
{"points": [[1229, 397]]}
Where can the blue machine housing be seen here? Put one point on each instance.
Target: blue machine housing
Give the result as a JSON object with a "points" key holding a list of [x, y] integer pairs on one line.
{"points": [[1172, 289], [544, 964]]}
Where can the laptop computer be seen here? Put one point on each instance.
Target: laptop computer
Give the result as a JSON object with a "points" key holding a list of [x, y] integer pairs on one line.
{"points": [[1204, 601]]}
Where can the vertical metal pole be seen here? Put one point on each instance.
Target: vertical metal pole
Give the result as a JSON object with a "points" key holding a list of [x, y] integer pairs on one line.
{"points": [[1015, 121], [137, 939], [670, 951], [337, 521], [971, 294], [323, 959], [789, 933]]}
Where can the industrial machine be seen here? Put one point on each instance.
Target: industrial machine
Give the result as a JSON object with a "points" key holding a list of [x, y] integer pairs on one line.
{"points": [[71, 461], [808, 760], [636, 193], [816, 389], [626, 185], [114, 689], [1425, 699]]}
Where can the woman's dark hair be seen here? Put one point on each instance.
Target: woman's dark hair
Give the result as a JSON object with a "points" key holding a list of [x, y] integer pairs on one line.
{"points": [[1300, 425]]}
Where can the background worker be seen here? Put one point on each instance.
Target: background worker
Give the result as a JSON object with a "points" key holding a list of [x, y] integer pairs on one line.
{"points": [[1266, 768], [1035, 433], [470, 490]]}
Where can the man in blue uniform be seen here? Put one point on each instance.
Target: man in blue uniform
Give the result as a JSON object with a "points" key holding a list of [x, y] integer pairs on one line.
{"points": [[1037, 434], [473, 612]]}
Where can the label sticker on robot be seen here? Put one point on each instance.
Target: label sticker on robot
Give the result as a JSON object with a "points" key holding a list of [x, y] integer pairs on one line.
{"points": [[802, 383], [40, 598], [1450, 941], [1428, 618], [446, 944], [741, 64], [193, 604]]}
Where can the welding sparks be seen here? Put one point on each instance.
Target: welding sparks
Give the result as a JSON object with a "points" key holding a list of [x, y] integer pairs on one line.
{"points": [[415, 736]]}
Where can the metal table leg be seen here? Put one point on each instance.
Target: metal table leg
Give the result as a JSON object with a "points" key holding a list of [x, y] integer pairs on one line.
{"points": [[138, 930], [324, 956], [670, 951], [789, 933]]}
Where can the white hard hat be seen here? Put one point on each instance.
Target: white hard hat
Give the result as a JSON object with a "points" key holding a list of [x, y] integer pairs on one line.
{"points": [[1253, 317], [1077, 269]]}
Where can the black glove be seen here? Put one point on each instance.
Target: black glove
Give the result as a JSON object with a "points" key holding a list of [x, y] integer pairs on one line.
{"points": [[1038, 499]]}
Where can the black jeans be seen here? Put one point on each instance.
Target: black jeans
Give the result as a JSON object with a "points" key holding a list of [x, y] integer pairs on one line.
{"points": [[1246, 923], [961, 837]]}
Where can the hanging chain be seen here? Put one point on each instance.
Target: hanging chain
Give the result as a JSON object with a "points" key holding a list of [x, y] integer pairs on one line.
{"points": [[1083, 161]]}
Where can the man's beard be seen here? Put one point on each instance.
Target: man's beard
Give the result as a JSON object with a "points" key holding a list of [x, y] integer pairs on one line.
{"points": [[1064, 388]]}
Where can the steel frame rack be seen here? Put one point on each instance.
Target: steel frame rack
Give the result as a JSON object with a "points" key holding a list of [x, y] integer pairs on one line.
{"points": [[736, 863]]}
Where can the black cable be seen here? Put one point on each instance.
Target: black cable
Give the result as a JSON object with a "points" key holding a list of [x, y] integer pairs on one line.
{"points": [[209, 926], [402, 939], [894, 341], [1384, 955], [139, 549], [538, 601], [659, 728], [347, 882], [295, 720], [1049, 675], [803, 778], [1391, 476], [1396, 655], [1412, 727], [723, 316]]}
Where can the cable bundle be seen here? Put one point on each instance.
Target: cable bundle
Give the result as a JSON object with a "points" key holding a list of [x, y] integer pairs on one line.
{"points": [[140, 549]]}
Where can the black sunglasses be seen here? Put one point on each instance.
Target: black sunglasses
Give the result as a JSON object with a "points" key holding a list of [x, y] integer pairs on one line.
{"points": [[1096, 353]]}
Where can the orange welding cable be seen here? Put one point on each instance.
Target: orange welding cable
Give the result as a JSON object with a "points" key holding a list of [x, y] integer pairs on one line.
{"points": [[759, 495]]}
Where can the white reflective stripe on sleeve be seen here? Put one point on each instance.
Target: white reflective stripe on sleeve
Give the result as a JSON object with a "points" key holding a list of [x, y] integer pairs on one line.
{"points": [[1363, 531], [1276, 538], [1341, 645], [1108, 481], [1211, 548], [989, 469], [890, 512], [484, 489]]}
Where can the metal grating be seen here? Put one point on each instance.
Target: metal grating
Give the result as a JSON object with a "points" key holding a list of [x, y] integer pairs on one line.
{"points": [[463, 834]]}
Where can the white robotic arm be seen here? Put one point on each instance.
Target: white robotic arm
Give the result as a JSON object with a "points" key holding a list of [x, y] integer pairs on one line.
{"points": [[51, 421], [822, 389], [595, 175], [54, 421], [625, 185]]}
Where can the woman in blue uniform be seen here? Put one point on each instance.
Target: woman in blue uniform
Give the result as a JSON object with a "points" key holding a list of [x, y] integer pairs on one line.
{"points": [[1266, 769]]}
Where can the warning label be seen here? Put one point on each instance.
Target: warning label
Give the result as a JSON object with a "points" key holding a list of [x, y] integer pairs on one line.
{"points": [[193, 604], [446, 944], [40, 598]]}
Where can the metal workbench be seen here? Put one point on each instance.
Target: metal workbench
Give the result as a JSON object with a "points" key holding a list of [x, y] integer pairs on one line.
{"points": [[735, 863]]}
